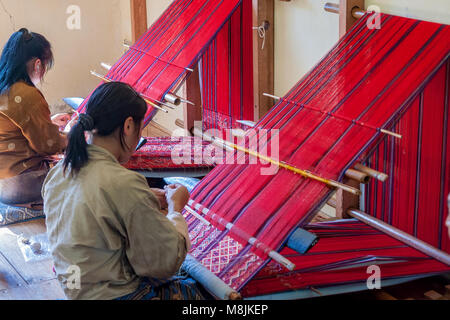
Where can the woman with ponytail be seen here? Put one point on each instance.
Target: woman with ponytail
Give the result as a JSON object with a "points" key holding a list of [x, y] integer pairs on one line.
{"points": [[27, 133], [104, 219]]}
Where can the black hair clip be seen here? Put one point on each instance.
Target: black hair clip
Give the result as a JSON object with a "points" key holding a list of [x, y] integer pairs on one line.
{"points": [[27, 36]]}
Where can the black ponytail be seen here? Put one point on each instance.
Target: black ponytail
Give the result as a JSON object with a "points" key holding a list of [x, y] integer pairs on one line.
{"points": [[106, 111], [22, 47]]}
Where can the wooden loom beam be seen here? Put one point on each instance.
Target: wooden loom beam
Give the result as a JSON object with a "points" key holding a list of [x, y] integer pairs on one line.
{"points": [[263, 58], [349, 12], [138, 18], [192, 92]]}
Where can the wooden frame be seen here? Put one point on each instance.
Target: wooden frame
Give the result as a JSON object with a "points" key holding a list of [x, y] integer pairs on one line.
{"points": [[138, 18], [349, 12], [192, 92], [346, 18], [263, 58], [263, 66]]}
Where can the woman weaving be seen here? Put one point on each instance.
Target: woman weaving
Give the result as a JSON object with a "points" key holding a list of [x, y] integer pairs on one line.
{"points": [[27, 133], [104, 219]]}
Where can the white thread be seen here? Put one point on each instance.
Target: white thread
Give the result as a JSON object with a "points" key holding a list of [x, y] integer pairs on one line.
{"points": [[262, 34]]}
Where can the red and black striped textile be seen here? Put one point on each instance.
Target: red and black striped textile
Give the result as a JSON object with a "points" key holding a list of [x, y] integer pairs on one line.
{"points": [[342, 255], [372, 76], [172, 153], [156, 64], [227, 73], [414, 198]]}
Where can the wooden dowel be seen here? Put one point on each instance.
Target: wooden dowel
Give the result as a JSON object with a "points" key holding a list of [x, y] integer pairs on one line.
{"points": [[332, 203], [187, 101], [173, 99], [371, 172], [281, 164], [358, 12], [402, 236], [334, 8], [165, 104], [247, 123], [106, 66], [357, 176], [179, 123]]}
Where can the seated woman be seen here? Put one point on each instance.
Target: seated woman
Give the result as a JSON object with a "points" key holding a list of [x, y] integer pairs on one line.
{"points": [[27, 134], [103, 221]]}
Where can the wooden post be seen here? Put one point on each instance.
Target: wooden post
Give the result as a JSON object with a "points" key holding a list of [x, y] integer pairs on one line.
{"points": [[192, 93], [263, 59], [138, 18], [345, 200], [346, 18]]}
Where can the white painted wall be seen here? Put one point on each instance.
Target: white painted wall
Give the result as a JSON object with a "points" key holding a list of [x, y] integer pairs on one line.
{"points": [[104, 25], [304, 33]]}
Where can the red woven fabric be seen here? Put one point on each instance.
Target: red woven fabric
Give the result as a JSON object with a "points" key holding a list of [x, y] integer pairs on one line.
{"points": [[170, 152], [341, 256], [371, 76], [156, 64], [414, 199], [227, 73]]}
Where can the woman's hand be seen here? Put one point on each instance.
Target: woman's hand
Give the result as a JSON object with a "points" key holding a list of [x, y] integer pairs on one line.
{"points": [[161, 196], [177, 197], [71, 123], [61, 119]]}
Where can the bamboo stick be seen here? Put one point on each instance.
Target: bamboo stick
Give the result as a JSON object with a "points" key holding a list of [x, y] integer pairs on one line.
{"points": [[179, 123], [371, 172], [106, 66], [332, 203], [357, 176], [334, 8], [146, 100], [187, 101], [251, 240], [402, 236], [280, 164], [334, 115]]}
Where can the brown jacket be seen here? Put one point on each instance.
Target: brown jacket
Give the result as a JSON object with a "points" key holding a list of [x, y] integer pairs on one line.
{"points": [[27, 134]]}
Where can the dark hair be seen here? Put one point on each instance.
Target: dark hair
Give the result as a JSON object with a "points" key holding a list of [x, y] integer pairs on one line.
{"points": [[21, 47], [106, 111]]}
